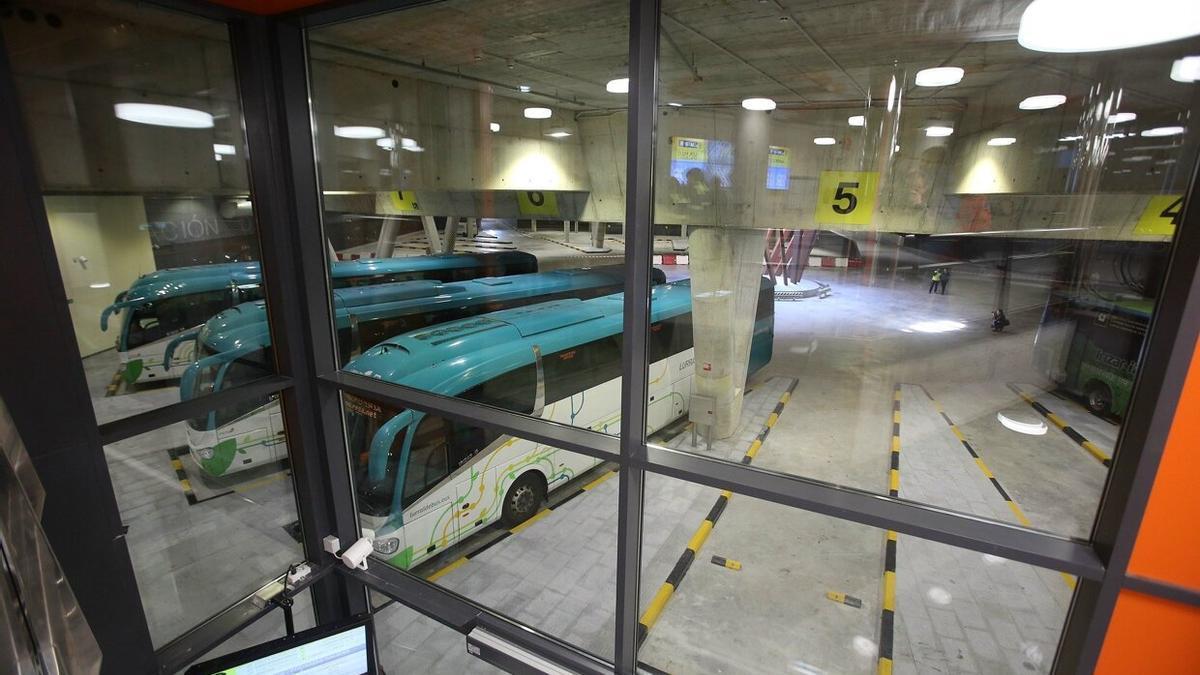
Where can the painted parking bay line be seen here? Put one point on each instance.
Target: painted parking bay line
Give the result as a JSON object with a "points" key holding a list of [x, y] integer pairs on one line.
{"points": [[1079, 439]]}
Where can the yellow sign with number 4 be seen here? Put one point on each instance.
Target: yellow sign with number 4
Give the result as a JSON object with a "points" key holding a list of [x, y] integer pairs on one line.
{"points": [[1161, 216], [846, 197]]}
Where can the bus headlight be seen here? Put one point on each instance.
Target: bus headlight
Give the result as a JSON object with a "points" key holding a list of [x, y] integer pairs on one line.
{"points": [[205, 453], [387, 545]]}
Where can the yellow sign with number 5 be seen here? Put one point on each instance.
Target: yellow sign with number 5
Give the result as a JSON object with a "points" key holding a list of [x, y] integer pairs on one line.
{"points": [[846, 197]]}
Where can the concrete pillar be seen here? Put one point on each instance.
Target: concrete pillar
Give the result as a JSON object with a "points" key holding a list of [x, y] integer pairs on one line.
{"points": [[472, 227], [725, 266], [533, 224], [451, 234], [431, 234], [567, 231], [387, 238], [597, 234]]}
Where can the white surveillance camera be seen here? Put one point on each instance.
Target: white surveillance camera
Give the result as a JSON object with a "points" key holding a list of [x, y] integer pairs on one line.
{"points": [[356, 555]]}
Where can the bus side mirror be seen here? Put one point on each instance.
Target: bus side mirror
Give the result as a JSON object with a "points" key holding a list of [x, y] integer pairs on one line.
{"points": [[539, 390]]}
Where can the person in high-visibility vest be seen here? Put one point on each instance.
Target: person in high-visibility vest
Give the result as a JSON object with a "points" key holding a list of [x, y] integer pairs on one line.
{"points": [[933, 281]]}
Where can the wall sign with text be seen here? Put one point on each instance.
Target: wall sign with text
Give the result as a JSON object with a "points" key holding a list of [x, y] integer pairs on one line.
{"points": [[846, 197]]}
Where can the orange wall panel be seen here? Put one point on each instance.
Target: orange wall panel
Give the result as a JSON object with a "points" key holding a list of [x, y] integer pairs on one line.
{"points": [[1168, 542], [1151, 635]]}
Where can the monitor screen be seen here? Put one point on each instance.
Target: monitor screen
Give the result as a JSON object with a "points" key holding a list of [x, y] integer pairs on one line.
{"points": [[344, 649]]}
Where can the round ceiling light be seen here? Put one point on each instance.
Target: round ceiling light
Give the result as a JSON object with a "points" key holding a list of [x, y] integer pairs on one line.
{"points": [[824, 140], [386, 143], [358, 132], [1117, 118], [938, 131], [1069, 26], [1042, 102], [1001, 141], [494, 126], [158, 115], [939, 77], [538, 113], [758, 103], [857, 120], [1162, 131], [618, 86], [1186, 69]]}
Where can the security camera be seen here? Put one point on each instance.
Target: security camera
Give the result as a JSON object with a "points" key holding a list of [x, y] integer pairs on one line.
{"points": [[356, 555]]}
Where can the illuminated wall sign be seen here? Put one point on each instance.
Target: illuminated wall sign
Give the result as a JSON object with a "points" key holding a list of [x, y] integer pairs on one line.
{"points": [[701, 160], [1161, 215], [537, 203], [846, 197], [779, 167]]}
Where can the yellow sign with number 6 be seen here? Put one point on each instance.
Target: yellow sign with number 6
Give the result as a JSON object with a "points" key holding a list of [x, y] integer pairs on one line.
{"points": [[846, 197]]}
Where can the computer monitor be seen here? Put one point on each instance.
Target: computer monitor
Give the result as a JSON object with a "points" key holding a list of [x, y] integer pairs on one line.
{"points": [[344, 648]]}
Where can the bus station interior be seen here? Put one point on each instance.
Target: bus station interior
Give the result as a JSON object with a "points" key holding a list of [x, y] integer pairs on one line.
{"points": [[896, 251]]}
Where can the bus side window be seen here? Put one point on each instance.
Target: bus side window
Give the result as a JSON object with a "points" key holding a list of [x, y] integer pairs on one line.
{"points": [[571, 371], [681, 333], [427, 460], [513, 390]]}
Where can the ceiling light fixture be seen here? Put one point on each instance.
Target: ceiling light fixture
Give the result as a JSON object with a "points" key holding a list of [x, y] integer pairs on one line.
{"points": [[494, 126], [101, 284], [673, 104], [524, 88], [224, 149], [938, 131], [1042, 102], [538, 113], [1117, 118], [939, 77], [824, 140], [618, 86], [1069, 26], [163, 115], [1186, 69], [364, 133], [1162, 131], [386, 143], [1001, 141], [857, 120], [1138, 158], [558, 132], [758, 103], [1030, 428], [1068, 139]]}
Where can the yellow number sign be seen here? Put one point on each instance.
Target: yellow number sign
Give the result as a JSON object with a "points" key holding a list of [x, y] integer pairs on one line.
{"points": [[404, 201], [1161, 216], [537, 203], [846, 197]]}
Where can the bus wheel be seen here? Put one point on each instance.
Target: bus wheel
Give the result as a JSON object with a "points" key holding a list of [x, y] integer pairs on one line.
{"points": [[1099, 398], [523, 499]]}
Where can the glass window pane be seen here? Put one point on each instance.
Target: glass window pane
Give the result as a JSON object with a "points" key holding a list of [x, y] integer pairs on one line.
{"points": [[524, 529], [270, 627], [953, 242], [136, 128], [473, 200], [199, 541], [773, 589], [410, 642]]}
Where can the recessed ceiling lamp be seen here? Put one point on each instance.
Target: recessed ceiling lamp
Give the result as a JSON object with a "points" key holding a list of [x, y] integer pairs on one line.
{"points": [[524, 88], [163, 115], [538, 113], [358, 132], [224, 149], [1003, 140], [673, 104], [758, 103], [1138, 158], [1117, 118], [939, 77], [386, 143], [938, 131], [824, 140], [410, 145], [618, 86], [1067, 26], [558, 132], [494, 126], [1068, 139], [100, 284], [1186, 69], [857, 120], [1162, 131], [1042, 102]]}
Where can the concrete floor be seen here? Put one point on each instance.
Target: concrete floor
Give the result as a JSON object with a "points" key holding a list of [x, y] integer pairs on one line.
{"points": [[956, 611]]}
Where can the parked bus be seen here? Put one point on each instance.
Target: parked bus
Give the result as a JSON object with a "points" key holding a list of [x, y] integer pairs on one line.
{"points": [[1090, 347], [234, 347], [165, 303], [425, 482]]}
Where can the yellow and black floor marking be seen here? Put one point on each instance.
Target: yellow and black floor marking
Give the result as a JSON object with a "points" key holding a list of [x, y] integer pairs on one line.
{"points": [[555, 501], [176, 455], [887, 612], [675, 578], [114, 384], [1008, 500], [1062, 425], [720, 561], [844, 599]]}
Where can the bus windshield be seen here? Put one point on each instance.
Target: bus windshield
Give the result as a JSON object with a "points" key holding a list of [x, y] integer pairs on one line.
{"points": [[365, 419], [158, 319]]}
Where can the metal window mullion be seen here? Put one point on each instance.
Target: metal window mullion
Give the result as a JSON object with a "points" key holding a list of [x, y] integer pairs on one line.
{"points": [[564, 436], [635, 356], [860, 506], [1166, 354], [134, 425]]}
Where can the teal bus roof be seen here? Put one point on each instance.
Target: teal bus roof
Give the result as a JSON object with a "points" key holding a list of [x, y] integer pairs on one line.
{"points": [[453, 357]]}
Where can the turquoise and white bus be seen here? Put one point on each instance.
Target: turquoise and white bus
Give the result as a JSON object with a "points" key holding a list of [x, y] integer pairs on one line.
{"points": [[162, 304], [234, 347], [424, 482]]}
